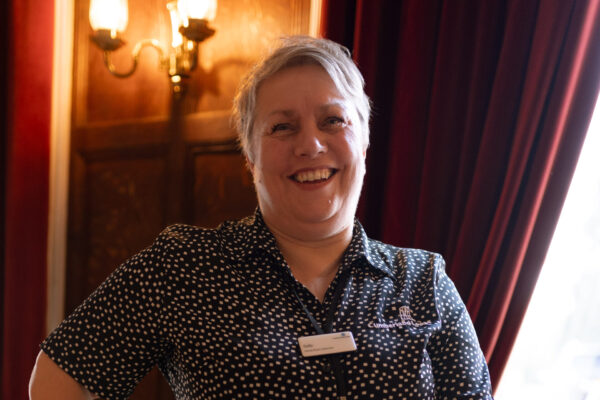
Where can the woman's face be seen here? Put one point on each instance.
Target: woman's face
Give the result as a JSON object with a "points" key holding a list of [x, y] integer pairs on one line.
{"points": [[309, 157]]}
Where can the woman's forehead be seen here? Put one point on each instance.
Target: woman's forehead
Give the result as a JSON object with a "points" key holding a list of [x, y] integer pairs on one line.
{"points": [[297, 76], [293, 87]]}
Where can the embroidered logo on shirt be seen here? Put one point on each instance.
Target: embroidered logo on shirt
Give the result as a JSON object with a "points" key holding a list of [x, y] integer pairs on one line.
{"points": [[405, 320]]}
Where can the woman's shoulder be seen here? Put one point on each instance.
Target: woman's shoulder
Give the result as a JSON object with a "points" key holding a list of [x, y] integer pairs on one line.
{"points": [[184, 239], [404, 256], [411, 266], [181, 237], [184, 233]]}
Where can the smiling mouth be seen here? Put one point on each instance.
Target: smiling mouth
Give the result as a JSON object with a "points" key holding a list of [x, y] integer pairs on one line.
{"points": [[314, 176]]}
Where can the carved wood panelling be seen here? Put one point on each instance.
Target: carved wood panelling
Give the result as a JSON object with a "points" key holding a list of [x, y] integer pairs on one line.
{"points": [[222, 184], [123, 209]]}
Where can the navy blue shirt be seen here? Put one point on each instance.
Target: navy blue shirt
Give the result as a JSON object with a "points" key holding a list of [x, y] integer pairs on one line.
{"points": [[220, 313]]}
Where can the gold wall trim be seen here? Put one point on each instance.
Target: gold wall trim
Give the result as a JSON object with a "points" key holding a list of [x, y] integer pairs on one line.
{"points": [[314, 26]]}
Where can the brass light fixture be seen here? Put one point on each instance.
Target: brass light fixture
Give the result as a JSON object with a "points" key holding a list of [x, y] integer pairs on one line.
{"points": [[189, 22]]}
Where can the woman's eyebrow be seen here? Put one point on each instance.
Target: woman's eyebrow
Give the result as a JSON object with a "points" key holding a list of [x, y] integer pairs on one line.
{"points": [[334, 104], [285, 113], [324, 107]]}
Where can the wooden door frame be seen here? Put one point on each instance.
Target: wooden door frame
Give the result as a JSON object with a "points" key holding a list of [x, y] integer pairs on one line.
{"points": [[60, 136]]}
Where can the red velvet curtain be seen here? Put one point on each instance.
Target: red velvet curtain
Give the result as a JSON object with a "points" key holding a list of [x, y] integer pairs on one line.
{"points": [[27, 38], [481, 108]]}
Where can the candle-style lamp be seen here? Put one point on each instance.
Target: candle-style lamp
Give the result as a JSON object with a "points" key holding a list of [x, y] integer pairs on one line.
{"points": [[190, 24]]}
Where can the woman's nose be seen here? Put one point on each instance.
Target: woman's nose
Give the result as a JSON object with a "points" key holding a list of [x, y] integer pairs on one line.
{"points": [[310, 142]]}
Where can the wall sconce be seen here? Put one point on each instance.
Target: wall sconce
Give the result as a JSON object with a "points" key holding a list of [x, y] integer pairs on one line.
{"points": [[189, 22]]}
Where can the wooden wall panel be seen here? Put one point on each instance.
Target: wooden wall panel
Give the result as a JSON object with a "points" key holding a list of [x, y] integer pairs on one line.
{"points": [[223, 188], [144, 94], [123, 209], [126, 208]]}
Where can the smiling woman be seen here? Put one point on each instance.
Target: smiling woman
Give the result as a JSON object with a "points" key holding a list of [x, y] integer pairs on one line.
{"points": [[293, 302], [308, 168], [309, 159]]}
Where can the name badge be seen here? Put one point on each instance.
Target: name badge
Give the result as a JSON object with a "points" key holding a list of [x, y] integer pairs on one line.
{"points": [[328, 343]]}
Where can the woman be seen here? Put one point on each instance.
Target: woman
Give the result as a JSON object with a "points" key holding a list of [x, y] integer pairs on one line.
{"points": [[293, 302]]}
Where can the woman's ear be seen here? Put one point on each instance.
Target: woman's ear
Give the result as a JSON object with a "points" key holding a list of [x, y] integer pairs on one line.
{"points": [[249, 164]]}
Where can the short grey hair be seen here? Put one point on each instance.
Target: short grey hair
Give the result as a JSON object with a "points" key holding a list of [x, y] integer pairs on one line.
{"points": [[293, 51]]}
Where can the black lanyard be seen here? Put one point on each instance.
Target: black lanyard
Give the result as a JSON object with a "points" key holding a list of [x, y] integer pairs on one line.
{"points": [[334, 359], [335, 300]]}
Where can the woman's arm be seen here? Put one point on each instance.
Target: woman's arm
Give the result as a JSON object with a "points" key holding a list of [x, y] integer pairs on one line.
{"points": [[459, 367], [49, 382]]}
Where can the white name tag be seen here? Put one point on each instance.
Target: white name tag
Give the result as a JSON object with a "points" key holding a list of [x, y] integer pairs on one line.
{"points": [[328, 343]]}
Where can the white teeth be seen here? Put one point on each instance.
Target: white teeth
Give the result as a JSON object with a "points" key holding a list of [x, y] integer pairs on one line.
{"points": [[314, 175]]}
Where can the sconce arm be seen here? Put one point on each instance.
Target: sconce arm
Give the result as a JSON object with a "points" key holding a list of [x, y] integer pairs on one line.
{"points": [[137, 49]]}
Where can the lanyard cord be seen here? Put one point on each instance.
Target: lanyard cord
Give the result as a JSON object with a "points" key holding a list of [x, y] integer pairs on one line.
{"points": [[335, 300], [335, 362], [312, 319]]}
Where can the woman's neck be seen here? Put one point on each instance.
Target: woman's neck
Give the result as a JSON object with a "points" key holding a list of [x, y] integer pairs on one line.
{"points": [[314, 263]]}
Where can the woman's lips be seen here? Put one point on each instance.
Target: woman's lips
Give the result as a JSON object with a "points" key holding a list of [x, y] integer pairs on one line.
{"points": [[313, 175]]}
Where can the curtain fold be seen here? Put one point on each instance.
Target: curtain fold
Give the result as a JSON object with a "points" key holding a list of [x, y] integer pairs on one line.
{"points": [[4, 46], [480, 112], [25, 171]]}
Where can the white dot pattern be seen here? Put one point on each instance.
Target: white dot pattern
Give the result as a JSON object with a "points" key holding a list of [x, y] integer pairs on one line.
{"points": [[216, 310]]}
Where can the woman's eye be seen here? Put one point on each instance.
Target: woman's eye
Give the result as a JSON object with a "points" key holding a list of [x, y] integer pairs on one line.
{"points": [[334, 121], [280, 128]]}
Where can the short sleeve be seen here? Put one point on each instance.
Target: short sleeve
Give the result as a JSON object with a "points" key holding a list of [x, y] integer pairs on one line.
{"points": [[113, 339], [459, 367]]}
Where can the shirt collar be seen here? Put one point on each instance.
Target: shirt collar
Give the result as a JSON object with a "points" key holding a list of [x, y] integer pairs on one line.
{"points": [[367, 252], [250, 237]]}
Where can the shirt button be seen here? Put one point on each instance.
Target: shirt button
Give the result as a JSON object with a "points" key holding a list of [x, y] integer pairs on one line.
{"points": [[327, 367]]}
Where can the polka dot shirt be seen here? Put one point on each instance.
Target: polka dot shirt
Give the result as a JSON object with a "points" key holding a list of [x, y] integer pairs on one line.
{"points": [[220, 313]]}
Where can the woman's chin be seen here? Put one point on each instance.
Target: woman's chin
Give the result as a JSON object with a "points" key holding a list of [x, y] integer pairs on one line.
{"points": [[320, 216], [326, 218]]}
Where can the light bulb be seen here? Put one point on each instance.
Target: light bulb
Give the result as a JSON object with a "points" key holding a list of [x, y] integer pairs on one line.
{"points": [[108, 14], [198, 9]]}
